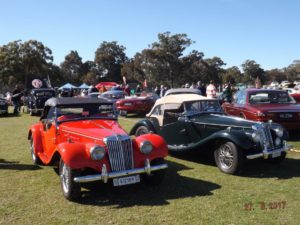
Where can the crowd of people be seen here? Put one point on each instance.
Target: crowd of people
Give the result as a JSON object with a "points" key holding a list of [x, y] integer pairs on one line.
{"points": [[210, 90]]}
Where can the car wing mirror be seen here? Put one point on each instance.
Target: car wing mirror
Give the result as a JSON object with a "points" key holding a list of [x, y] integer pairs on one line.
{"points": [[182, 118], [47, 124]]}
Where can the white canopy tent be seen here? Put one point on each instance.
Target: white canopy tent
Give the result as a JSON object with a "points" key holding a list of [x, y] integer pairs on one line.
{"points": [[84, 86], [67, 86]]}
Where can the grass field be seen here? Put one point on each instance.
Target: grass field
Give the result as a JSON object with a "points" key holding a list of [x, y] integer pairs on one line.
{"points": [[193, 192]]}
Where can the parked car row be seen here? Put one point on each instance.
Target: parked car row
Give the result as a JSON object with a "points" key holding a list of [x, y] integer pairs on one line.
{"points": [[83, 138]]}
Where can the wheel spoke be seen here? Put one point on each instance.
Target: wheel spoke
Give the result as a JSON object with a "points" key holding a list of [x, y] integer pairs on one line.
{"points": [[226, 156]]}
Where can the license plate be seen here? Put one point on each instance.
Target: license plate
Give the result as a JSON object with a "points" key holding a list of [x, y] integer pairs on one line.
{"points": [[126, 180], [286, 115], [276, 154], [128, 103]]}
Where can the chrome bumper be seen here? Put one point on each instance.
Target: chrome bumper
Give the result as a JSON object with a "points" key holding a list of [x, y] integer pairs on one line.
{"points": [[265, 153], [104, 176]]}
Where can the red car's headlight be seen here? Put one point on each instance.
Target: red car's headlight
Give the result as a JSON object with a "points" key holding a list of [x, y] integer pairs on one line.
{"points": [[146, 147], [97, 152]]}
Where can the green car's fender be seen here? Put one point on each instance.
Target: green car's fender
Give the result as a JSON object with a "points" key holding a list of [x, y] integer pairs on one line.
{"points": [[241, 140], [144, 122]]}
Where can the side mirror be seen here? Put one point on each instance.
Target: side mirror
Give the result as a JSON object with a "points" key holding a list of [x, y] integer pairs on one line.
{"points": [[183, 118]]}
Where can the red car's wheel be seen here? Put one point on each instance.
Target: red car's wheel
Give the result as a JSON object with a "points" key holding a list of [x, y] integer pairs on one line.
{"points": [[35, 159], [70, 189]]}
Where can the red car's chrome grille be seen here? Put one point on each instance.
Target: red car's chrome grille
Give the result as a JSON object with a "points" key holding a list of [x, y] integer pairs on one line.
{"points": [[120, 152]]}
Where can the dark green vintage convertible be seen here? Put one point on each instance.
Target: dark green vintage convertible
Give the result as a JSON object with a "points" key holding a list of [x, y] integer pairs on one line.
{"points": [[192, 122]]}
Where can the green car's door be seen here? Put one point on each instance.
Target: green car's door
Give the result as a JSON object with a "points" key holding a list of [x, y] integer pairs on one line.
{"points": [[174, 130]]}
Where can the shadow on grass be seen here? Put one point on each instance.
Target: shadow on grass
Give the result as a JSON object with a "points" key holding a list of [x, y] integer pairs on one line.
{"points": [[289, 168], [294, 136], [15, 165], [174, 186], [10, 115]]}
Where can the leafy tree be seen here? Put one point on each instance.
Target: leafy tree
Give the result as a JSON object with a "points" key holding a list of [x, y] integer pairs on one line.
{"points": [[252, 70], [91, 73], [214, 70], [232, 75], [109, 58], [24, 61], [167, 53], [293, 71], [193, 68], [72, 67], [276, 75], [162, 62]]}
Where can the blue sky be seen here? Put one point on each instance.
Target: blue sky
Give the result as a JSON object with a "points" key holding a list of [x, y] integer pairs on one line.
{"points": [[235, 30]]}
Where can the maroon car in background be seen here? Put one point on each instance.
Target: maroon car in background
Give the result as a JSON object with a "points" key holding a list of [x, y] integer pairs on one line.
{"points": [[136, 104], [265, 105]]}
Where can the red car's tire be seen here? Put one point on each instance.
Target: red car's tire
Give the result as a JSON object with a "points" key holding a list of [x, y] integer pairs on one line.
{"points": [[71, 190], [35, 159]]}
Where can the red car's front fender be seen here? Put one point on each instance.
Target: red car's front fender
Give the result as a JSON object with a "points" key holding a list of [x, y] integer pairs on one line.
{"points": [[76, 156], [160, 148]]}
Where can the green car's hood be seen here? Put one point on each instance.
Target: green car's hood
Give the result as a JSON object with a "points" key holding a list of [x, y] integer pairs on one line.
{"points": [[222, 120]]}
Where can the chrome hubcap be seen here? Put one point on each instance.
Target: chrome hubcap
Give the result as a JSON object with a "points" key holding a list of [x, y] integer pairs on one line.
{"points": [[226, 156], [65, 178], [32, 150]]}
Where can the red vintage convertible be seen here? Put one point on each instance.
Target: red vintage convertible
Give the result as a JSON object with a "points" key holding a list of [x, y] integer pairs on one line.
{"points": [[137, 104], [265, 105], [83, 138]]}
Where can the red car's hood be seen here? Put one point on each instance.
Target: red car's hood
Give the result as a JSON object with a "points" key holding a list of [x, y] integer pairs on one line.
{"points": [[93, 128], [277, 107]]}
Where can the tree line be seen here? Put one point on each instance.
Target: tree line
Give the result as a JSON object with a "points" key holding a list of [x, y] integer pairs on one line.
{"points": [[163, 62]]}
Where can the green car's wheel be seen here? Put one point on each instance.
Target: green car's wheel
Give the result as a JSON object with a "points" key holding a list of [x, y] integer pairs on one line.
{"points": [[228, 158], [141, 130], [35, 159], [71, 190]]}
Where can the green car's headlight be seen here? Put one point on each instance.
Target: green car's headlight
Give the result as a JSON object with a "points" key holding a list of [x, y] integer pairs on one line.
{"points": [[255, 136], [279, 131], [146, 147], [97, 152], [278, 141]]}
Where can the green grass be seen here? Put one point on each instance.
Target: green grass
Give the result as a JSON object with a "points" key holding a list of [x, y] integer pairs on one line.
{"points": [[193, 192]]}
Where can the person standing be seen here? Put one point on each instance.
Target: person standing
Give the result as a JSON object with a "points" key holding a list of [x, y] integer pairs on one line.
{"points": [[162, 91], [127, 89], [211, 91], [227, 93], [16, 99]]}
